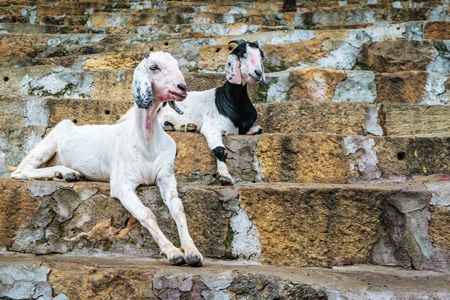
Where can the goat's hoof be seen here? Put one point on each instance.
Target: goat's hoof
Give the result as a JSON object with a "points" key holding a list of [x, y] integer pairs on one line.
{"points": [[69, 177], [194, 261], [168, 126], [177, 261], [189, 127], [225, 180], [59, 175]]}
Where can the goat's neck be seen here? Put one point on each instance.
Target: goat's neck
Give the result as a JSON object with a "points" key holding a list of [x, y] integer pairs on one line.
{"points": [[236, 96], [233, 102], [146, 123]]}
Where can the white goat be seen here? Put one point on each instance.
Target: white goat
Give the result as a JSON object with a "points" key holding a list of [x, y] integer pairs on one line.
{"points": [[224, 110], [136, 151]]}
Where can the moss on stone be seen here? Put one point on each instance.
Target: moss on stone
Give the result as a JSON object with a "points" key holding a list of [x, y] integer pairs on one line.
{"points": [[229, 240]]}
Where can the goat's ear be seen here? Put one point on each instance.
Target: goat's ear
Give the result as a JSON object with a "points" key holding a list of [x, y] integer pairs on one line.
{"points": [[233, 69], [142, 87]]}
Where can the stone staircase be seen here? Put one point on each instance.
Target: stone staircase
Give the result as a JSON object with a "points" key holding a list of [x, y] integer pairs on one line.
{"points": [[345, 195]]}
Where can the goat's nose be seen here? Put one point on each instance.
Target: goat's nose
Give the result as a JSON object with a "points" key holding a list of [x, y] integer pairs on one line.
{"points": [[182, 86], [258, 73]]}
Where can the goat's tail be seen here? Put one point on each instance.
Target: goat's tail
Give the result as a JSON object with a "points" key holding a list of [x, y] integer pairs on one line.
{"points": [[10, 169]]}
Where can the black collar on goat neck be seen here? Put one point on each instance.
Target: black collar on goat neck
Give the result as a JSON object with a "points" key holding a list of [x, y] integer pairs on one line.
{"points": [[232, 101]]}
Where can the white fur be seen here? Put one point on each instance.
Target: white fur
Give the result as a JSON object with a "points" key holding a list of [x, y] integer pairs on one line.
{"points": [[200, 109], [136, 151]]}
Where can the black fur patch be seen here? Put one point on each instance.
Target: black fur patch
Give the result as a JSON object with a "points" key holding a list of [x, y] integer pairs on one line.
{"points": [[143, 98], [221, 153], [240, 50], [232, 101]]}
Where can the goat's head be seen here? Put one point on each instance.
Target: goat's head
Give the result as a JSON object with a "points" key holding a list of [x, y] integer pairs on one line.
{"points": [[157, 77], [245, 63]]}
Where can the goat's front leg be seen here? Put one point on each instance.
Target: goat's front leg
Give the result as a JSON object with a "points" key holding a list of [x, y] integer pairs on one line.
{"points": [[127, 196], [214, 139], [168, 186], [256, 129]]}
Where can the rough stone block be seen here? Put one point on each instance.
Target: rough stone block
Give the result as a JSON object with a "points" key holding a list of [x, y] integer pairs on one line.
{"points": [[397, 56], [436, 30], [44, 217]]}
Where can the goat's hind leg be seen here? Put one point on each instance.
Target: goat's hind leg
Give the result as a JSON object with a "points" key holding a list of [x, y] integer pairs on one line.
{"points": [[254, 130], [42, 153], [168, 186]]}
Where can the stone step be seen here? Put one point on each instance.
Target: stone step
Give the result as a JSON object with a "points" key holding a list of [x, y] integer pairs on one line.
{"points": [[279, 157], [157, 31], [323, 84], [79, 277], [284, 224], [375, 48], [319, 142], [381, 48], [53, 8], [427, 29], [104, 77], [335, 16]]}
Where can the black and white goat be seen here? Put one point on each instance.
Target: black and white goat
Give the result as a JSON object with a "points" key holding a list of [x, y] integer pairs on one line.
{"points": [[225, 110], [133, 152]]}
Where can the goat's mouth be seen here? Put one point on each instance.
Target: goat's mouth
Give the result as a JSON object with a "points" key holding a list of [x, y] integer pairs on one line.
{"points": [[257, 79], [254, 78], [178, 96]]}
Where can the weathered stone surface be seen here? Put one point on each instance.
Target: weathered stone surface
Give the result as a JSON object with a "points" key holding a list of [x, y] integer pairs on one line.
{"points": [[439, 226], [206, 81], [81, 218], [84, 112], [269, 287], [400, 119], [436, 30], [281, 57], [16, 206], [407, 227], [310, 83], [195, 162], [401, 87], [397, 56], [358, 86], [25, 46], [25, 281], [80, 281], [114, 61], [315, 83], [214, 58], [312, 116], [298, 225], [331, 225], [75, 277], [333, 159], [114, 85], [404, 156], [289, 156], [302, 158]]}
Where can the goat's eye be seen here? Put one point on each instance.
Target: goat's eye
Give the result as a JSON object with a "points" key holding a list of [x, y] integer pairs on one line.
{"points": [[154, 67]]}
